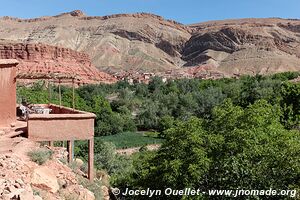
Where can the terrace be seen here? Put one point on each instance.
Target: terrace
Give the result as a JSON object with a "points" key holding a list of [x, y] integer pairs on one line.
{"points": [[73, 124], [43, 122]]}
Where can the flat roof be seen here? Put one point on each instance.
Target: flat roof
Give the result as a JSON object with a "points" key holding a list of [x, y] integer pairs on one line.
{"points": [[8, 62]]}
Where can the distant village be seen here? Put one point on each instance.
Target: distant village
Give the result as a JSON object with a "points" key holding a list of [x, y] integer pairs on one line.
{"points": [[200, 72]]}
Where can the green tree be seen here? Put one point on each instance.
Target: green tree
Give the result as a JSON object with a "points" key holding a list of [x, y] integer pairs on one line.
{"points": [[165, 122], [207, 99], [291, 104], [238, 148], [148, 117]]}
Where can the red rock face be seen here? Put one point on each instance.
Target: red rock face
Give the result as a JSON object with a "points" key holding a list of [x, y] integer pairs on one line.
{"points": [[38, 60]]}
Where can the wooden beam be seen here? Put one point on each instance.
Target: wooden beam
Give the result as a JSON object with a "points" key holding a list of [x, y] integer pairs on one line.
{"points": [[70, 150], [51, 144], [49, 92], [91, 160], [59, 91], [73, 93]]}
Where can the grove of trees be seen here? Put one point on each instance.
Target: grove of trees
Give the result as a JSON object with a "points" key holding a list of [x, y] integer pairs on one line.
{"points": [[219, 134]]}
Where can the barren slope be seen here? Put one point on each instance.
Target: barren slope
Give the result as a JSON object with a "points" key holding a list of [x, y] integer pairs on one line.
{"points": [[146, 42], [133, 41], [246, 46]]}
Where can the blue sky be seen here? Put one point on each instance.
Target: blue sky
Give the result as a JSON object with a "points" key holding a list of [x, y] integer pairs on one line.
{"points": [[184, 11]]}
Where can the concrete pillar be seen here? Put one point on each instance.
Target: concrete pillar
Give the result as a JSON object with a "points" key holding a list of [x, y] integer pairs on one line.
{"points": [[7, 91], [91, 160]]}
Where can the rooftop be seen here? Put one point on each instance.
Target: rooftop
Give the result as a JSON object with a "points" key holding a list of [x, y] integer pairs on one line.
{"points": [[8, 62]]}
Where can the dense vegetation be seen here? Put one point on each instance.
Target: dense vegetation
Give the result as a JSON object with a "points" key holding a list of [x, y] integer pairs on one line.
{"points": [[237, 148], [132, 139], [218, 134]]}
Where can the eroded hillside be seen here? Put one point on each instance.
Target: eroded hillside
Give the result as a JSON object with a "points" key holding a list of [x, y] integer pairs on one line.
{"points": [[148, 43], [45, 61]]}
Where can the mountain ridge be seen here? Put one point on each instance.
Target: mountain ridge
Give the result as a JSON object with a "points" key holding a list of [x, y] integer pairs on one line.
{"points": [[145, 42]]}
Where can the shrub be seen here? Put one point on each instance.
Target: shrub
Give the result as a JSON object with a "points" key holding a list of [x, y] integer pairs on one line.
{"points": [[40, 156], [94, 186], [84, 168], [151, 134]]}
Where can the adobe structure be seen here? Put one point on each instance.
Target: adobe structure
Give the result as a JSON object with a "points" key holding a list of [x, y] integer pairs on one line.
{"points": [[7, 92], [60, 124]]}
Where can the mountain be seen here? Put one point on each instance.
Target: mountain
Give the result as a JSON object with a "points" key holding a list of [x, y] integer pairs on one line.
{"points": [[246, 46], [129, 41], [148, 43], [46, 61]]}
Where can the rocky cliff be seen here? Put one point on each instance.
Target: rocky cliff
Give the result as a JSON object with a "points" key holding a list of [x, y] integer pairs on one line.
{"points": [[40, 61], [148, 43]]}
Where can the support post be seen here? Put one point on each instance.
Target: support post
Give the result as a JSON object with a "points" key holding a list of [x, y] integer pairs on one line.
{"points": [[49, 92], [51, 143], [70, 150], [59, 91], [91, 160], [73, 93]]}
